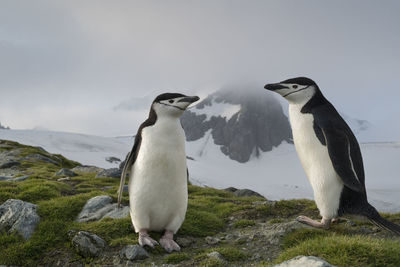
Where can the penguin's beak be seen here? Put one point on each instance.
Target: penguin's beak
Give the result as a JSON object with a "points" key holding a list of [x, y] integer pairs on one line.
{"points": [[189, 99], [274, 86]]}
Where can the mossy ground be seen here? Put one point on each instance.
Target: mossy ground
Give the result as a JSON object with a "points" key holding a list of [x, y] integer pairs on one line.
{"points": [[236, 224]]}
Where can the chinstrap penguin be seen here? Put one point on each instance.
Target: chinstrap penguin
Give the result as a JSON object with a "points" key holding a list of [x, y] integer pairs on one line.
{"points": [[329, 154], [157, 185]]}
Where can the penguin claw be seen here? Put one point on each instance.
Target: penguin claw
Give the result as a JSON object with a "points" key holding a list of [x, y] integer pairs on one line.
{"points": [[147, 241], [169, 245]]}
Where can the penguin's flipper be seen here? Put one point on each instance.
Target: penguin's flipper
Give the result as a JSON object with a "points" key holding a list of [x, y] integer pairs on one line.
{"points": [[339, 152], [130, 160]]}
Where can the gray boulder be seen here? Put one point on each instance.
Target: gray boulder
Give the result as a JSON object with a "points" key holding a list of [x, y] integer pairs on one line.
{"points": [[88, 244], [100, 207], [66, 172], [20, 216], [133, 252], [306, 261], [87, 169], [113, 173]]}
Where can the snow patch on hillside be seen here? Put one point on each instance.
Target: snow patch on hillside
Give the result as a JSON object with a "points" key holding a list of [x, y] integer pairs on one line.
{"points": [[225, 110]]}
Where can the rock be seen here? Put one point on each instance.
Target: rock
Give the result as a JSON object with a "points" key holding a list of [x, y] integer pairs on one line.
{"points": [[20, 216], [65, 172], [88, 244], [9, 164], [100, 207], [184, 242], [41, 158], [20, 178], [247, 193], [87, 169], [212, 240], [64, 179], [113, 173], [243, 192], [307, 261], [274, 233], [133, 252], [112, 159], [217, 257]]}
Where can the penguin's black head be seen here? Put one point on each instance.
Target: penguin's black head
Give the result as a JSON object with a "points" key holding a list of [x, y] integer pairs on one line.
{"points": [[172, 104], [295, 90]]}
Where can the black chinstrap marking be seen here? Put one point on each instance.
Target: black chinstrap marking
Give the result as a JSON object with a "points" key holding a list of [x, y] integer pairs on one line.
{"points": [[296, 91], [171, 106]]}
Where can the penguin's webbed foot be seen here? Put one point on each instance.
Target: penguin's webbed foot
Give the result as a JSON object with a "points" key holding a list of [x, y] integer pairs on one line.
{"points": [[146, 240], [168, 243], [324, 224]]}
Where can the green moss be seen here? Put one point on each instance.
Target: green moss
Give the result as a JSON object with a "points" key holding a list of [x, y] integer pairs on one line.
{"points": [[176, 258], [347, 250], [33, 190], [212, 262], [244, 223], [276, 220], [231, 253], [109, 229], [288, 208], [65, 208], [201, 223]]}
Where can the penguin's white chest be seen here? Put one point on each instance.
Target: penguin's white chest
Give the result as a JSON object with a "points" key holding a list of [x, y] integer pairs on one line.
{"points": [[158, 184], [314, 157]]}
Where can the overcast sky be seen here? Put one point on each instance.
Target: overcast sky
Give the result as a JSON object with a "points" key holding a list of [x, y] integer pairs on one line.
{"points": [[80, 65]]}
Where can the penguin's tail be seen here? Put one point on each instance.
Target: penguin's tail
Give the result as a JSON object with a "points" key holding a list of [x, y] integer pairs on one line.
{"points": [[373, 215]]}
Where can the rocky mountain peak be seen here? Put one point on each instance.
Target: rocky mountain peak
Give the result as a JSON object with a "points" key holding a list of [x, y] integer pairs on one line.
{"points": [[243, 121]]}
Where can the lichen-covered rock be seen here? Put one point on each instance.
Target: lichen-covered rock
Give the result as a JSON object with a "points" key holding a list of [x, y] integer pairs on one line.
{"points": [[217, 257], [113, 173], [87, 169], [133, 252], [100, 207], [9, 164], [66, 172], [307, 261], [88, 244], [39, 157], [20, 216]]}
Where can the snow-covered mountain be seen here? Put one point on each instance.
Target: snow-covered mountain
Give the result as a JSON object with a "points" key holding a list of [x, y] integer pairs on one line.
{"points": [[242, 123]]}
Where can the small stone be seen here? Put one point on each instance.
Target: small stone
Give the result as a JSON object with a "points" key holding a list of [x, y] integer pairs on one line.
{"points": [[93, 205], [64, 179], [133, 252], [212, 240], [88, 244], [184, 242], [65, 172], [309, 261], [217, 256]]}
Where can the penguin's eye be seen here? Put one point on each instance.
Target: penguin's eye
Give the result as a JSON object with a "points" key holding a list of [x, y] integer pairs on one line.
{"points": [[295, 86], [171, 101]]}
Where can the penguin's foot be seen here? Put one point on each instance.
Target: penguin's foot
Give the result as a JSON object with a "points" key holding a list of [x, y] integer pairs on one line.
{"points": [[335, 220], [168, 243], [146, 240], [324, 224]]}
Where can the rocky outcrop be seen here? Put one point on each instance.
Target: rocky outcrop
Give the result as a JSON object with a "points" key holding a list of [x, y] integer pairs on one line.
{"points": [[243, 192], [250, 122], [66, 172], [113, 173], [88, 244], [100, 207], [87, 169], [309, 261], [20, 216], [113, 159]]}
